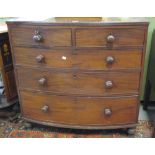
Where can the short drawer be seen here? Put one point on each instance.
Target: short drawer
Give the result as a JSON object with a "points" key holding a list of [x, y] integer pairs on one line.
{"points": [[83, 111], [41, 36], [81, 59], [115, 37], [79, 82]]}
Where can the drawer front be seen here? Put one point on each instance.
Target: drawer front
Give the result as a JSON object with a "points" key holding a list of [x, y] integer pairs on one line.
{"points": [[79, 110], [96, 37], [83, 59], [41, 36], [78, 83]]}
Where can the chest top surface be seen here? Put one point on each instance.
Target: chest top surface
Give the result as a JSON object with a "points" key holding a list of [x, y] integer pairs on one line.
{"points": [[83, 21]]}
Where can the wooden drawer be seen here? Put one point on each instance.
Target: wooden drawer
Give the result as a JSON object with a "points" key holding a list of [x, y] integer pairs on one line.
{"points": [[83, 111], [50, 37], [98, 37], [78, 82], [83, 59]]}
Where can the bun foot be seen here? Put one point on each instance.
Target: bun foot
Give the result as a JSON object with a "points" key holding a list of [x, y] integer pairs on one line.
{"points": [[25, 126], [131, 131]]}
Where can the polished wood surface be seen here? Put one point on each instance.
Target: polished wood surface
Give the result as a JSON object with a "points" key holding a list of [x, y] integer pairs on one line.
{"points": [[81, 59], [78, 82], [51, 37], [83, 74], [79, 110], [92, 37], [80, 21]]}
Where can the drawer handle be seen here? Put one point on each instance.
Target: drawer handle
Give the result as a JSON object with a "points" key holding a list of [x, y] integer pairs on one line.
{"points": [[37, 37], [110, 60], [107, 111], [108, 84], [110, 38], [42, 81], [45, 108], [40, 58]]}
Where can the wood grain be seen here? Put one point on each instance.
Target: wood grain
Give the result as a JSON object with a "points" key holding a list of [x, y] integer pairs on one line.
{"points": [[79, 110], [51, 36], [83, 59], [71, 79], [78, 82], [92, 37]]}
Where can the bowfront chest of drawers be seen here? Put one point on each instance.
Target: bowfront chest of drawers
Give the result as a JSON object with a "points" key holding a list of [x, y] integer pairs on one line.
{"points": [[79, 74]]}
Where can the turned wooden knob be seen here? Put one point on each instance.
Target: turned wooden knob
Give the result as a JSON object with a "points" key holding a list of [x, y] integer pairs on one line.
{"points": [[108, 84], [107, 111], [45, 108], [37, 37], [110, 38], [109, 60], [42, 81], [40, 58]]}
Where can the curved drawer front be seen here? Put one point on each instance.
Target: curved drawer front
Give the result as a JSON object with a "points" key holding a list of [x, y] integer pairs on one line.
{"points": [[81, 111], [41, 36], [98, 37], [81, 59], [78, 82]]}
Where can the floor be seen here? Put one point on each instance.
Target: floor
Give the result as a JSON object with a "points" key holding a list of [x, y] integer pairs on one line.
{"points": [[147, 115]]}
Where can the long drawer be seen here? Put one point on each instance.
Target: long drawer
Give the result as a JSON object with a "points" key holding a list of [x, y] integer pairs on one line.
{"points": [[81, 59], [100, 37], [74, 82], [83, 111], [41, 36]]}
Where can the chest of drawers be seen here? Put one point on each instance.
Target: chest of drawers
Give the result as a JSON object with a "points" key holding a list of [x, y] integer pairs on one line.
{"points": [[76, 74]]}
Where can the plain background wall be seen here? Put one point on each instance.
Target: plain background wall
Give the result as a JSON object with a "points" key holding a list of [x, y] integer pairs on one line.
{"points": [[150, 30]]}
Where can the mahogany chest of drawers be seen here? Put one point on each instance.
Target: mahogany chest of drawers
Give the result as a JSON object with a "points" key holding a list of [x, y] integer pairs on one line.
{"points": [[79, 74]]}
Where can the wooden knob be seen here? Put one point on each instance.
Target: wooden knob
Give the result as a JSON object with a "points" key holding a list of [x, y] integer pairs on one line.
{"points": [[40, 58], [107, 111], [110, 38], [108, 84], [45, 108], [37, 37], [109, 60], [42, 81]]}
